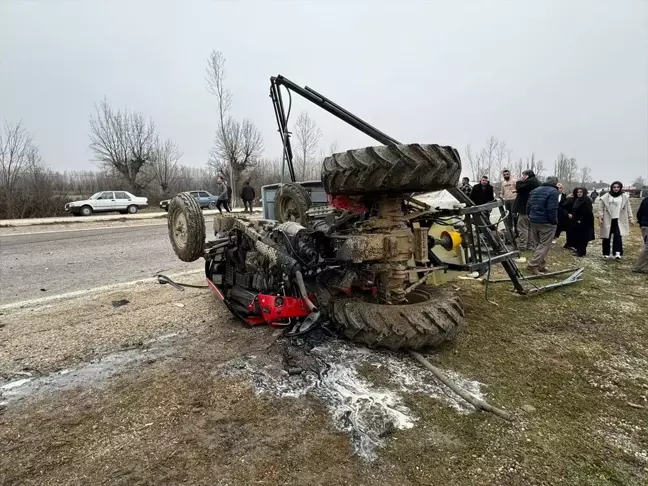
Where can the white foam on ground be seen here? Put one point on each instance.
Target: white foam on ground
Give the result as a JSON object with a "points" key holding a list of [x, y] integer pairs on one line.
{"points": [[367, 412], [14, 384], [92, 373]]}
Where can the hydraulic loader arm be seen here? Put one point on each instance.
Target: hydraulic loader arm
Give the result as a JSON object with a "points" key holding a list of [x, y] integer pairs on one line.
{"points": [[323, 102]]}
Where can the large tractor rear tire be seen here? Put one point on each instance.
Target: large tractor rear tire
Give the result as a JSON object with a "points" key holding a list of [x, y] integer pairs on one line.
{"points": [[291, 203], [432, 316], [391, 169], [186, 225]]}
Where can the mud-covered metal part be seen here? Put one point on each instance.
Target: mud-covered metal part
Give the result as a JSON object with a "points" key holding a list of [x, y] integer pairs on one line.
{"points": [[421, 245], [297, 240], [366, 247], [266, 247], [388, 241]]}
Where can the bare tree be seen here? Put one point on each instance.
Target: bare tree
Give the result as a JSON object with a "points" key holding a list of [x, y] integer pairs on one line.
{"points": [[333, 148], [308, 136], [16, 150], [475, 163], [502, 158], [122, 141], [518, 168], [489, 156], [537, 166], [585, 176], [488, 159], [639, 182], [566, 170], [165, 165], [237, 144]]}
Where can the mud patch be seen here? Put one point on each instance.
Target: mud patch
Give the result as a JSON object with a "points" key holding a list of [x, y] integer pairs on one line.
{"points": [[330, 372], [90, 374]]}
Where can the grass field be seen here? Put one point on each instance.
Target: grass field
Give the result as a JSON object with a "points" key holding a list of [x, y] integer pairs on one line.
{"points": [[572, 365]]}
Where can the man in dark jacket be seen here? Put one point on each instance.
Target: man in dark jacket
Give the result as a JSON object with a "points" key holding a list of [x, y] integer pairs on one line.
{"points": [[527, 183], [248, 195], [542, 209], [482, 193], [594, 195], [642, 218]]}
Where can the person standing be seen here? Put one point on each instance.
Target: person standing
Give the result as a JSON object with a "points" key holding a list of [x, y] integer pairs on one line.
{"points": [[563, 215], [509, 194], [483, 193], [465, 186], [642, 218], [221, 194], [523, 188], [542, 209], [581, 217], [248, 195], [615, 217], [229, 196], [594, 195]]}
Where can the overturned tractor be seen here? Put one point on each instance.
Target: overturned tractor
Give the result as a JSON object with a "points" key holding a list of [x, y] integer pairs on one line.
{"points": [[362, 265]]}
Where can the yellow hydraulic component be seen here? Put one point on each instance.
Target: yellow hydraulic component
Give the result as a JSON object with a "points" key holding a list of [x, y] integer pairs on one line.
{"points": [[451, 240]]}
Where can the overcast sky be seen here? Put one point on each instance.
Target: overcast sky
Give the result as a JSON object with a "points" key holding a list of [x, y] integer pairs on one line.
{"points": [[546, 77]]}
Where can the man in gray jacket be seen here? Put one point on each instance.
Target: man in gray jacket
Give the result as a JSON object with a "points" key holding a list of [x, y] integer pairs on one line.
{"points": [[221, 193]]}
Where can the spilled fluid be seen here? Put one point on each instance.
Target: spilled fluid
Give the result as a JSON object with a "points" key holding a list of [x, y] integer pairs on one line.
{"points": [[367, 412]]}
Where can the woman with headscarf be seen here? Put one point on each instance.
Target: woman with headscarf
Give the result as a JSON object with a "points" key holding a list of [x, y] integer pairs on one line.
{"points": [[581, 217], [615, 216]]}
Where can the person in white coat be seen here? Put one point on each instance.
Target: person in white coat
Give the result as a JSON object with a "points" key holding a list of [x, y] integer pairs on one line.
{"points": [[615, 216]]}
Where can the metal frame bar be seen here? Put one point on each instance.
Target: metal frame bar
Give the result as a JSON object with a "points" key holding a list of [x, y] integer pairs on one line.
{"points": [[535, 277]]}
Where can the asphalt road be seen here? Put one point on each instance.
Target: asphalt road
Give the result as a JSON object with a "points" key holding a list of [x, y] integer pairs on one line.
{"points": [[43, 264]]}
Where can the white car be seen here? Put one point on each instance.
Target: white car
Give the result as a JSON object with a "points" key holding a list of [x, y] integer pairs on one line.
{"points": [[105, 201]]}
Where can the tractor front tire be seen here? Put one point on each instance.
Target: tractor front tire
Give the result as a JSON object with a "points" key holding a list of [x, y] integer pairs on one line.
{"points": [[186, 225], [432, 316], [391, 169], [291, 203]]}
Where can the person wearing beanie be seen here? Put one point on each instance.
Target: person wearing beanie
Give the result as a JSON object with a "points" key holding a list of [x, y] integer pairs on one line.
{"points": [[542, 209], [615, 216]]}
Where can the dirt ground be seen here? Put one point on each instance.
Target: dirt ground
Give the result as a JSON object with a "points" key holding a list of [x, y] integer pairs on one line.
{"points": [[145, 404]]}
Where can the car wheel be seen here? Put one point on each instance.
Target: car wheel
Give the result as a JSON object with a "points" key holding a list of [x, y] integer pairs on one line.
{"points": [[212, 205], [86, 211], [132, 209]]}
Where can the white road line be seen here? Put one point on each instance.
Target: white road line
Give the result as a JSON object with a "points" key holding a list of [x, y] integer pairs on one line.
{"points": [[81, 293], [145, 225]]}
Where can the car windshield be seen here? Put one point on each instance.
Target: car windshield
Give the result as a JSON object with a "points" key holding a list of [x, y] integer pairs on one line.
{"points": [[96, 195]]}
